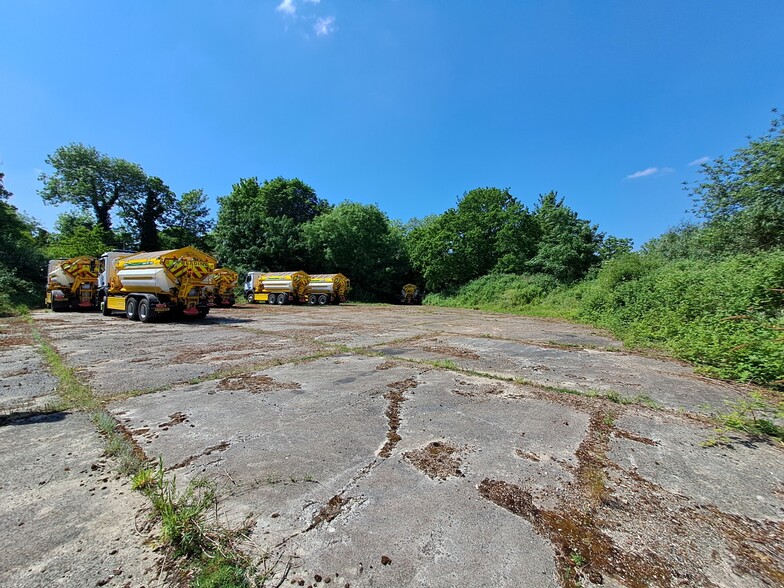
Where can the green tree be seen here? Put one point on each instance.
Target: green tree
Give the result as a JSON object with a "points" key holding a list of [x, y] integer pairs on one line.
{"points": [[612, 246], [188, 222], [568, 246], [488, 231], [144, 214], [21, 260], [741, 198], [77, 233], [359, 241], [91, 181], [260, 225]]}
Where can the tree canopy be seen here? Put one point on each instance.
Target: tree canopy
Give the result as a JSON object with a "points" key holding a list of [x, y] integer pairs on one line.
{"points": [[91, 181], [260, 224]]}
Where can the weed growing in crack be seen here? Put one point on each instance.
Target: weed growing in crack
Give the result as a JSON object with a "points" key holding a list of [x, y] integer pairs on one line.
{"points": [[190, 530], [447, 364]]}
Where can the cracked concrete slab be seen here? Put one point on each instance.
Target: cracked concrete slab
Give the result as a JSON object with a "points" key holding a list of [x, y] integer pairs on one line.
{"points": [[633, 377], [67, 519], [440, 476]]}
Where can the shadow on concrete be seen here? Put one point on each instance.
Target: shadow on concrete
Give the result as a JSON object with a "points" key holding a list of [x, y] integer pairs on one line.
{"points": [[32, 417]]}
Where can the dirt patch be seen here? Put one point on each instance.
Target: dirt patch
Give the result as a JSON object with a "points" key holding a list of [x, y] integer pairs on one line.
{"points": [[14, 341], [196, 354], [453, 351], [475, 389], [632, 437], [395, 397], [437, 460], [584, 551], [255, 384], [386, 365], [223, 446], [174, 419], [527, 455], [329, 512]]}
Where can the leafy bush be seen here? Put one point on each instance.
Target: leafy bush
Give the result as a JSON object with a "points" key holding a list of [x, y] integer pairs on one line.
{"points": [[726, 316], [505, 292], [16, 294]]}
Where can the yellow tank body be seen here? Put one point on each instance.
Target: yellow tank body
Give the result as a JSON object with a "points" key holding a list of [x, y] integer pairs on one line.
{"points": [[72, 283], [334, 286], [287, 286]]}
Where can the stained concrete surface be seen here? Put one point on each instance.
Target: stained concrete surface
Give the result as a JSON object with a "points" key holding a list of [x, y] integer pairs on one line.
{"points": [[308, 419]]}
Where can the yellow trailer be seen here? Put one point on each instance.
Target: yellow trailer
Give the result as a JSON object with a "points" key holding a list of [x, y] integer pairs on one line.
{"points": [[148, 285], [72, 283], [276, 287], [220, 289], [327, 289]]}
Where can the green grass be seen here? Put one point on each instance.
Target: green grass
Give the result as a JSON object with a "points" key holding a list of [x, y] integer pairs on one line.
{"points": [[188, 518]]}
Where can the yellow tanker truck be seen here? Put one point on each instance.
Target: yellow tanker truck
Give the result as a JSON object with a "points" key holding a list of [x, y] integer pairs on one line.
{"points": [[220, 288], [72, 284], [327, 289], [149, 285], [276, 287], [410, 294]]}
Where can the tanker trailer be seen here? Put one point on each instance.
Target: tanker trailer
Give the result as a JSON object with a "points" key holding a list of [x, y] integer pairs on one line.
{"points": [[280, 288], [149, 285], [327, 288], [411, 294], [72, 283], [220, 289]]}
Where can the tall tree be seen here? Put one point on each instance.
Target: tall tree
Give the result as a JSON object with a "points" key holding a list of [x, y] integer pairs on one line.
{"points": [[568, 246], [358, 241], [260, 225], [741, 198], [144, 214], [91, 181], [489, 230], [188, 222]]}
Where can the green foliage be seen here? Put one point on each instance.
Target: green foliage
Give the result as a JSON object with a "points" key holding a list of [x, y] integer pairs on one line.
{"points": [[77, 234], [187, 222], [507, 292], [21, 261], [742, 197], [726, 316], [91, 181], [754, 416], [358, 241], [568, 246], [144, 214], [260, 225]]}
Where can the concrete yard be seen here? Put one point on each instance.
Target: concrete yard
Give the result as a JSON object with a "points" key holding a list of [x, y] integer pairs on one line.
{"points": [[389, 446]]}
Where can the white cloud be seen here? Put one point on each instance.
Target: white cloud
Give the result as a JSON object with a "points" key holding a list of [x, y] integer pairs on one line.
{"points": [[287, 7], [700, 161], [650, 171], [313, 1], [324, 26]]}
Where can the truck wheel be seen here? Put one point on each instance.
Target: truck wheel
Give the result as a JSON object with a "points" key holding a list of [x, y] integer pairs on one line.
{"points": [[282, 299], [312, 299], [132, 309], [105, 310], [322, 299], [144, 311], [272, 298], [251, 298]]}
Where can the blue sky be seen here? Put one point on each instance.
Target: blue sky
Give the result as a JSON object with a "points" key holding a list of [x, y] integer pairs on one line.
{"points": [[406, 104]]}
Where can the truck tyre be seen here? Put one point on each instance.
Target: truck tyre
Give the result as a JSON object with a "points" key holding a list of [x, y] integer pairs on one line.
{"points": [[272, 298], [282, 299], [322, 299], [132, 308], [105, 310], [312, 299], [250, 298], [144, 311]]}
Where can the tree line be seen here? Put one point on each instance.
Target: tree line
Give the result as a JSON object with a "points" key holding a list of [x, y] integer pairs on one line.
{"points": [[710, 290], [282, 224]]}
